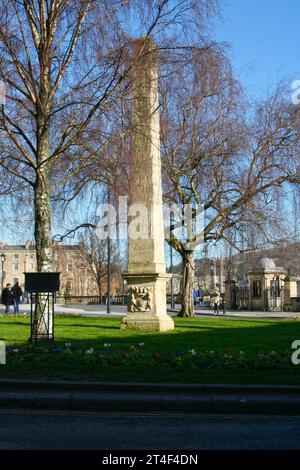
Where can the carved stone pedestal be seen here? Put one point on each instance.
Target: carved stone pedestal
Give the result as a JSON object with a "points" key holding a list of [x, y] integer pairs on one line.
{"points": [[146, 302]]}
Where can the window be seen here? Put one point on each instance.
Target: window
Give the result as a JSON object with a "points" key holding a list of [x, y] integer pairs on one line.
{"points": [[32, 256], [16, 256], [275, 287], [69, 268], [256, 292], [16, 267], [31, 266]]}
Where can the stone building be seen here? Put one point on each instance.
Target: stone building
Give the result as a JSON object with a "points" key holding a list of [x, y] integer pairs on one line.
{"points": [[76, 274], [17, 259], [292, 294], [264, 287]]}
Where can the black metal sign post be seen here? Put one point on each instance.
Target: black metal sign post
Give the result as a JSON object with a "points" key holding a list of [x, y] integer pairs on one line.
{"points": [[42, 288]]}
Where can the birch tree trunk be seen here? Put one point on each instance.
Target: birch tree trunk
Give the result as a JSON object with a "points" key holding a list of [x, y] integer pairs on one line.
{"points": [[42, 231], [42, 205]]}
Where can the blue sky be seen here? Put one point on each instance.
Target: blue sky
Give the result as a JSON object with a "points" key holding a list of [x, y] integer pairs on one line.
{"points": [[264, 38]]}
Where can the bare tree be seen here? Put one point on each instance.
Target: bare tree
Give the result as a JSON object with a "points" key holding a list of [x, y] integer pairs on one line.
{"points": [[94, 251], [216, 155]]}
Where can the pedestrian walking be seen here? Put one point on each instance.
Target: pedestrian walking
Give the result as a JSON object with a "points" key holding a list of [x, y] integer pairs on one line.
{"points": [[195, 296], [200, 297], [216, 302], [7, 298], [17, 295]]}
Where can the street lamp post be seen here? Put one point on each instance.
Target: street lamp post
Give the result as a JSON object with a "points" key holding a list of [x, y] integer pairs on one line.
{"points": [[25, 266], [171, 260], [108, 275], [108, 307], [124, 291], [2, 257]]}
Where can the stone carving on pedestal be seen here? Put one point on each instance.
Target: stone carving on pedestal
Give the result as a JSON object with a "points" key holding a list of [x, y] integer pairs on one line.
{"points": [[140, 299]]}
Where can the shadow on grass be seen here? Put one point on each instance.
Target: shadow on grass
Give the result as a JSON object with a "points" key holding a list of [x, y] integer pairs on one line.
{"points": [[201, 334]]}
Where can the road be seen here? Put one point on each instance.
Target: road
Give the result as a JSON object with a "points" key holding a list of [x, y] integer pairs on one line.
{"points": [[32, 430], [120, 310]]}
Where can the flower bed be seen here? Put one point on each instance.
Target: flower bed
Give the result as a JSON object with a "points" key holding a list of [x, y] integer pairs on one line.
{"points": [[137, 356]]}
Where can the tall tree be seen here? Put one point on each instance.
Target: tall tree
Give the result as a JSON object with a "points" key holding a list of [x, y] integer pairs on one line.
{"points": [[215, 154], [95, 253]]}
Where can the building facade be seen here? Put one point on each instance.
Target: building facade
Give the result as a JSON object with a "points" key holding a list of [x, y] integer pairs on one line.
{"points": [[265, 287], [76, 273]]}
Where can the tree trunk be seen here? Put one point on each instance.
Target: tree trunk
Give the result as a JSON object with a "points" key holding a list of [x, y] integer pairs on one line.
{"points": [[99, 282], [188, 268], [43, 319], [42, 232]]}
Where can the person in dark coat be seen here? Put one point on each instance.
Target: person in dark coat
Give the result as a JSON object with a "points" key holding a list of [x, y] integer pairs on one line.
{"points": [[17, 294], [7, 297]]}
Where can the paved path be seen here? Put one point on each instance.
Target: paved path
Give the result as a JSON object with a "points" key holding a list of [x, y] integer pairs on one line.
{"points": [[163, 398], [60, 430], [120, 310]]}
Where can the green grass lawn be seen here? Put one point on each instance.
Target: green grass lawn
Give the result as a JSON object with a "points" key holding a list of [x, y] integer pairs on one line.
{"points": [[201, 334]]}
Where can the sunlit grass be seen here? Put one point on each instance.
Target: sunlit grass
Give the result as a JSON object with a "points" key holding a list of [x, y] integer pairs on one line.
{"points": [[202, 334]]}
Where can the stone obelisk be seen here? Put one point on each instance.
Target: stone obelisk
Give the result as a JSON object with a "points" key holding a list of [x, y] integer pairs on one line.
{"points": [[146, 277]]}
